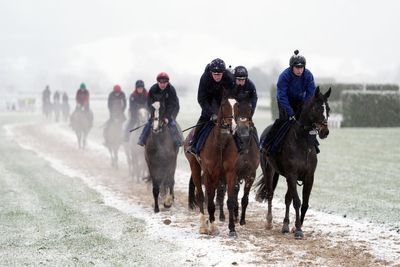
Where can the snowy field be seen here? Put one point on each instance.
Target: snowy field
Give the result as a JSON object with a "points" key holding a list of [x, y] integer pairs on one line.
{"points": [[61, 207]]}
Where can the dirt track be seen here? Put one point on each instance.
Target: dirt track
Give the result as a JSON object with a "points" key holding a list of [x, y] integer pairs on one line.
{"points": [[319, 246]]}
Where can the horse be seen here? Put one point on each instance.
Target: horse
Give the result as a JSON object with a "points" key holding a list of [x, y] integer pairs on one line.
{"points": [[65, 111], [47, 109], [296, 160], [113, 135], [217, 161], [81, 123], [134, 153], [161, 155], [248, 161]]}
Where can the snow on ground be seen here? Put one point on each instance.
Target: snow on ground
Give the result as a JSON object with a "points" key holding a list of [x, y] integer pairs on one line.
{"points": [[377, 241]]}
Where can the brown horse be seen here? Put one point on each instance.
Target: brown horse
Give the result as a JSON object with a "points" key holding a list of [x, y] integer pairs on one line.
{"points": [[296, 160], [217, 161], [248, 162]]}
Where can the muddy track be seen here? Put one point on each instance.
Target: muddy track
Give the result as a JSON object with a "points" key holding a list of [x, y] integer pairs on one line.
{"points": [[319, 246]]}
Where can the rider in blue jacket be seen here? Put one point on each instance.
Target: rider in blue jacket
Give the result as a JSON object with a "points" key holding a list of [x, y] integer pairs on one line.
{"points": [[294, 88]]}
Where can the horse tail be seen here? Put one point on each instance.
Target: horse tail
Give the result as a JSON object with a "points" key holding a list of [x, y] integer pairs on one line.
{"points": [[261, 188]]}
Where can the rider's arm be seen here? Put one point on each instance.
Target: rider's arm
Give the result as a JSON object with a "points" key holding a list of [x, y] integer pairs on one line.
{"points": [[202, 97], [282, 93], [310, 85], [253, 95], [172, 107]]}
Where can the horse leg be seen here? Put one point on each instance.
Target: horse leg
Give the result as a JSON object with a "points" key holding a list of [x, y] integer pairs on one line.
{"points": [[211, 186], [245, 198], [169, 199], [156, 192], [191, 195], [232, 201], [220, 200], [292, 187], [307, 187], [236, 209], [271, 181], [286, 221]]}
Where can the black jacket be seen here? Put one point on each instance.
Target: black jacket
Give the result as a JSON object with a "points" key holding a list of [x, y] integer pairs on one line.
{"points": [[116, 102], [137, 101], [209, 94], [248, 93], [169, 102]]}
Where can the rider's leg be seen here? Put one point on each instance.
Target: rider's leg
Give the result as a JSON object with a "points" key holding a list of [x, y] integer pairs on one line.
{"points": [[144, 134], [200, 125]]}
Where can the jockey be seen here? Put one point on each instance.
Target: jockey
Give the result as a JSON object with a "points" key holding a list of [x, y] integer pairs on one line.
{"points": [[82, 97], [116, 104], [212, 82], [56, 97], [64, 98], [164, 93], [82, 101], [294, 88], [137, 100], [46, 95], [245, 88]]}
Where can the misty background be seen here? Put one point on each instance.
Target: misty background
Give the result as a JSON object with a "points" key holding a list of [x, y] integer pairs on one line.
{"points": [[102, 42]]}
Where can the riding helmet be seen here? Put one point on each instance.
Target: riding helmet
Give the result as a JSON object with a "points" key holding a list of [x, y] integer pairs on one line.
{"points": [[297, 60], [139, 83], [82, 86], [117, 88], [162, 77], [217, 65], [240, 73]]}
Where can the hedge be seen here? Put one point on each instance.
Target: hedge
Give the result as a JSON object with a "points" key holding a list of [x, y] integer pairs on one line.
{"points": [[371, 109]]}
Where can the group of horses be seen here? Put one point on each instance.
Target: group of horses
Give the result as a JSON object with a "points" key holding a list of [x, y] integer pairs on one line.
{"points": [[58, 109], [220, 167]]}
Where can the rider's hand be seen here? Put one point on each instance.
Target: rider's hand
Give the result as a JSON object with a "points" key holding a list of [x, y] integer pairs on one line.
{"points": [[292, 118], [166, 121], [213, 117]]}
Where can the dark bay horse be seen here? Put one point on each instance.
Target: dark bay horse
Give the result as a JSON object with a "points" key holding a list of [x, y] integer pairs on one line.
{"points": [[248, 161], [217, 161], [296, 160], [161, 155], [134, 152], [113, 135], [81, 123]]}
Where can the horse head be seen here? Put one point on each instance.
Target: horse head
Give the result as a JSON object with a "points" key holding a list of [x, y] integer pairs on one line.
{"points": [[242, 115], [225, 116], [316, 113]]}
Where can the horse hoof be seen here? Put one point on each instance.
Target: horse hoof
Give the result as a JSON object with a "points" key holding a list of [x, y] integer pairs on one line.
{"points": [[242, 222], [233, 234], [167, 206], [268, 226], [221, 218], [156, 210], [203, 231], [298, 234], [285, 229]]}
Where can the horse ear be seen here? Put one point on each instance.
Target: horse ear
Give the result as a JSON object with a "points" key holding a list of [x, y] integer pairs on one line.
{"points": [[328, 93], [317, 91]]}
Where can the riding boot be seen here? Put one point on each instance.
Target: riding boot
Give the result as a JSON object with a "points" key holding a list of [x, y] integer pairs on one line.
{"points": [[144, 134], [193, 142]]}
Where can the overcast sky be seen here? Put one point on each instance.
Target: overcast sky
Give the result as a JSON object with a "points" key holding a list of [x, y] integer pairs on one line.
{"points": [[104, 42]]}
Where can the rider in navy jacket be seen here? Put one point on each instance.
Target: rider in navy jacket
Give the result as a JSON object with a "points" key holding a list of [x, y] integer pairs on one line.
{"points": [[245, 88], [212, 83]]}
